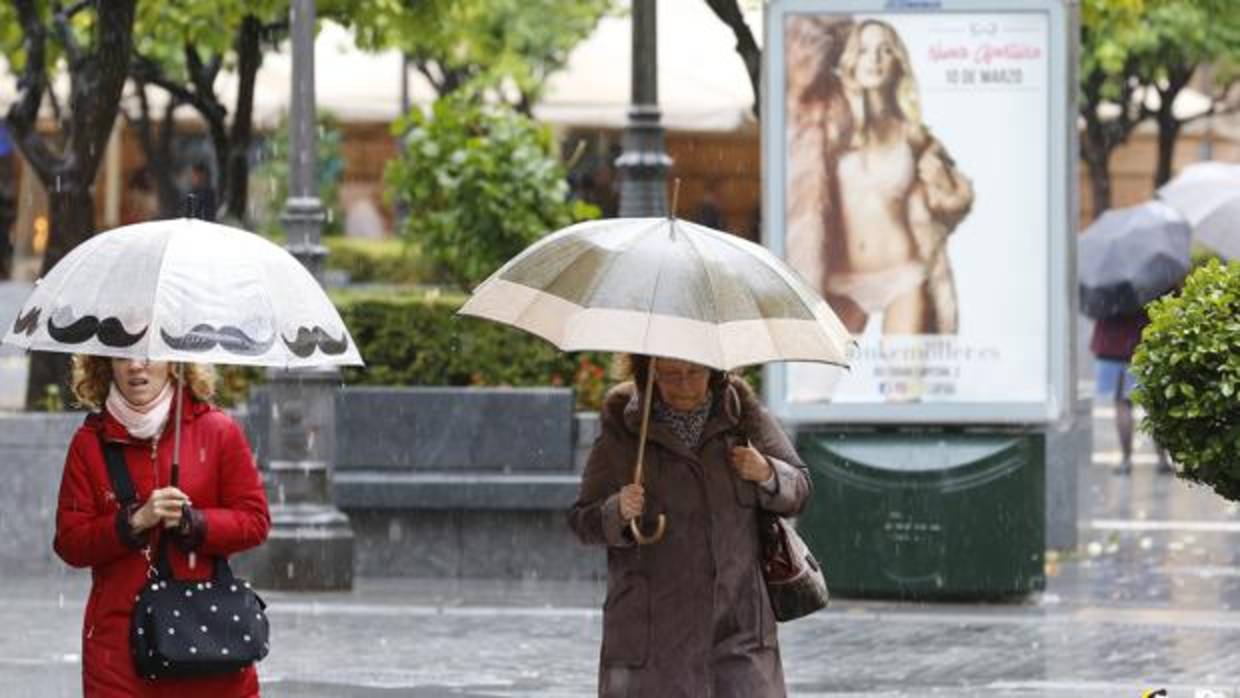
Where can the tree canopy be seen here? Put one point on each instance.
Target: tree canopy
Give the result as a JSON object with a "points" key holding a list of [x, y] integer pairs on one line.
{"points": [[1132, 50], [507, 48]]}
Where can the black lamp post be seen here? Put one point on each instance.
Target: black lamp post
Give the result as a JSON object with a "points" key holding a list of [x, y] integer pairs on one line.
{"points": [[644, 162], [311, 543]]}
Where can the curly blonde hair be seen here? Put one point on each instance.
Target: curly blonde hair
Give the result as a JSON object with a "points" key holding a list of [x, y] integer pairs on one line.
{"points": [[903, 91], [92, 379]]}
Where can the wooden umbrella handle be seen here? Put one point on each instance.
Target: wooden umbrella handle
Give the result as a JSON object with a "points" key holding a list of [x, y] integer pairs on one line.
{"points": [[636, 530]]}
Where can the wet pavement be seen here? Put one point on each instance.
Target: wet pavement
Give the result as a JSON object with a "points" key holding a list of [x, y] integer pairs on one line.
{"points": [[1150, 599]]}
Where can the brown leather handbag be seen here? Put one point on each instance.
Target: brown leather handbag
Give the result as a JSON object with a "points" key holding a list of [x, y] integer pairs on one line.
{"points": [[794, 579]]}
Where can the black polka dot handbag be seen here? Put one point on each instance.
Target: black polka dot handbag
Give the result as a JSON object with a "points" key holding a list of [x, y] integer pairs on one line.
{"points": [[183, 628], [196, 628]]}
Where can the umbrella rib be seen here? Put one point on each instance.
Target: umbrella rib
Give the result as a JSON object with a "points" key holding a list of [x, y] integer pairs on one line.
{"points": [[53, 295], [520, 316], [658, 278], [159, 280], [606, 269], [710, 283], [809, 303]]}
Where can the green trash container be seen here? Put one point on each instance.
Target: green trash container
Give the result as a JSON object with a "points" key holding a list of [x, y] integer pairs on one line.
{"points": [[927, 515]]}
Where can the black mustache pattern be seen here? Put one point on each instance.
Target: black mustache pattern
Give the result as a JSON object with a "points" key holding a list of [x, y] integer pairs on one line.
{"points": [[204, 337], [28, 323], [110, 331], [308, 339]]}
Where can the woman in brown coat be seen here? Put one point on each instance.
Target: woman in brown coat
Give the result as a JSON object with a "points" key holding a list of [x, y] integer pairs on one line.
{"points": [[688, 616]]}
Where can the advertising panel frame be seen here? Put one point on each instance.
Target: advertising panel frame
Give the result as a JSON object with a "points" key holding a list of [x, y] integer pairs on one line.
{"points": [[1060, 221]]}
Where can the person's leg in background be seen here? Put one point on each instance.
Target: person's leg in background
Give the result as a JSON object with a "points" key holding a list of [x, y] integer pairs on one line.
{"points": [[1124, 423], [1109, 382], [1123, 426], [1164, 466]]}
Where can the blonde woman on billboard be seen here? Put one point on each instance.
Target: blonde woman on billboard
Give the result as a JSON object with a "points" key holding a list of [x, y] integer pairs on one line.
{"points": [[888, 193]]}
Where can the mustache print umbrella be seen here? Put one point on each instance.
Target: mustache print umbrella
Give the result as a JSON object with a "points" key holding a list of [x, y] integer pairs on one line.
{"points": [[184, 290]]}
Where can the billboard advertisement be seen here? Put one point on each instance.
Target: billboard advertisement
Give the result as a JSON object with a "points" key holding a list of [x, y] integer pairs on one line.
{"points": [[917, 174]]}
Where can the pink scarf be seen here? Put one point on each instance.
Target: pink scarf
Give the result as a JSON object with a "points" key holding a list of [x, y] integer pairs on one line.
{"points": [[141, 421]]}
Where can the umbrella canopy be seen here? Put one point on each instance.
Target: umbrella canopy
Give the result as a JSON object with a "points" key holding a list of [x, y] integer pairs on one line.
{"points": [[1207, 195], [1129, 257], [662, 287], [184, 290]]}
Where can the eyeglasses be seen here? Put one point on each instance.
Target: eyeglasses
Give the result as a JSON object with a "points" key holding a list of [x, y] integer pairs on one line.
{"points": [[693, 375]]}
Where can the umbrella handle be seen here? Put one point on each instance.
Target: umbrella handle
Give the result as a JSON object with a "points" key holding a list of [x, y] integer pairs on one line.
{"points": [[175, 474], [636, 530], [642, 538]]}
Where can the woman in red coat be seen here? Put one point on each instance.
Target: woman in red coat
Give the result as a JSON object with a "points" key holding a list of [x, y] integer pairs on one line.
{"points": [[219, 508]]}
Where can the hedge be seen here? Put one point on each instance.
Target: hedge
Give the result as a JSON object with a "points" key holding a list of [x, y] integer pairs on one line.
{"points": [[389, 261], [418, 339]]}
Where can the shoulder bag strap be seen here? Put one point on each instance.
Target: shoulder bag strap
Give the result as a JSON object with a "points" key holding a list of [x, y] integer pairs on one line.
{"points": [[118, 471], [122, 484]]}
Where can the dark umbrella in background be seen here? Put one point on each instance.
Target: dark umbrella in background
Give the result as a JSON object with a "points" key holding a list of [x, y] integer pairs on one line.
{"points": [[1129, 257], [1207, 195]]}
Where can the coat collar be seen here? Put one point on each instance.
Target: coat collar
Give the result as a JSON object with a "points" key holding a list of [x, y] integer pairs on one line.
{"points": [[725, 416]]}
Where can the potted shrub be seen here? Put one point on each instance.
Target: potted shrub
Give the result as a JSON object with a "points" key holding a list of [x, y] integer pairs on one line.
{"points": [[1187, 368]]}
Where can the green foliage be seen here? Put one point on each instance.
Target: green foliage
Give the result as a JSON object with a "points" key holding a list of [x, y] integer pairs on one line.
{"points": [[52, 400], [81, 27], [233, 383], [496, 46], [1109, 30], [479, 183], [420, 340], [162, 29], [269, 180], [393, 262], [1145, 41], [1187, 367]]}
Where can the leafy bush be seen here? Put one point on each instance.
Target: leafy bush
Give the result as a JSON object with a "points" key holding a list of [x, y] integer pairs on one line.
{"points": [[233, 383], [479, 183], [379, 261], [1187, 367], [419, 340]]}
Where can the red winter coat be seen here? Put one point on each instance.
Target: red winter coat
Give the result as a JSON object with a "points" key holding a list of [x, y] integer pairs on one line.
{"points": [[220, 478]]}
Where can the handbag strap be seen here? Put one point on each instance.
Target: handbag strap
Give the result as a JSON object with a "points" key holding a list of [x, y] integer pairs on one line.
{"points": [[122, 484], [118, 471]]}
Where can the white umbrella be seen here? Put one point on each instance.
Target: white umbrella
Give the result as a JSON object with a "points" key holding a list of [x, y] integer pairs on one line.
{"points": [[184, 290], [1207, 194], [662, 287]]}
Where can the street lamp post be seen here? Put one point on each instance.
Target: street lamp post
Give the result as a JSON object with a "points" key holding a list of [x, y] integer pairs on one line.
{"points": [[311, 542], [644, 162]]}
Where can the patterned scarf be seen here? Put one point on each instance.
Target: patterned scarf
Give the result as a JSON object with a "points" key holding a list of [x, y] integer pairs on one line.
{"points": [[687, 426]]}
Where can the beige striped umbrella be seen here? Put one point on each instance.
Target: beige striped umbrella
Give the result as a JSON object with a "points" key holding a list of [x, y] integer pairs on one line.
{"points": [[662, 287]]}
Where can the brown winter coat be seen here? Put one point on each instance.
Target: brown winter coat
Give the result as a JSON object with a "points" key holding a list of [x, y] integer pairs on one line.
{"points": [[688, 616]]}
